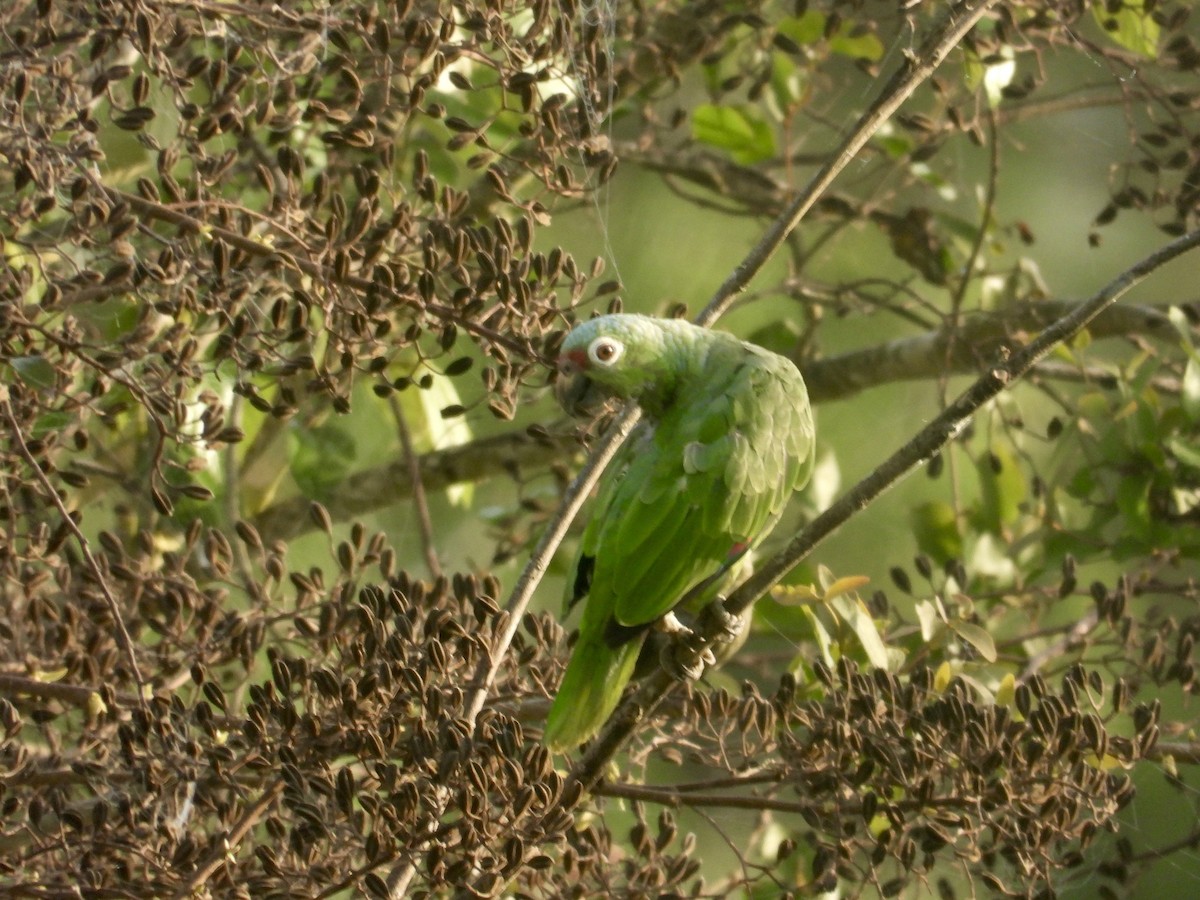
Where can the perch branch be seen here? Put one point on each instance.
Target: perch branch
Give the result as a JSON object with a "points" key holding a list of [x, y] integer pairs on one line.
{"points": [[921, 448]]}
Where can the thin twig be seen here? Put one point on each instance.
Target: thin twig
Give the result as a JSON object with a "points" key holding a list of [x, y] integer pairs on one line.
{"points": [[420, 503], [114, 609], [573, 498], [249, 819], [1074, 638], [916, 70]]}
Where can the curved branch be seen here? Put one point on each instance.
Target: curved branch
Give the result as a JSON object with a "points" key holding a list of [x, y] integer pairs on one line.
{"points": [[966, 349], [371, 489], [834, 378]]}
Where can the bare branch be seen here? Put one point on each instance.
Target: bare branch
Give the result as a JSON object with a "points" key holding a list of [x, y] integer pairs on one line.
{"points": [[417, 487], [978, 339], [375, 488], [85, 547]]}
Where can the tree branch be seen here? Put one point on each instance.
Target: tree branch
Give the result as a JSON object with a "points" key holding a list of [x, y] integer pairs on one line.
{"points": [[833, 378], [922, 447], [374, 488], [979, 338]]}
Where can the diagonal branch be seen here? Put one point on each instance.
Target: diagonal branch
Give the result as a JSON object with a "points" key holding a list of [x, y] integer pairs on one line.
{"points": [[921, 448]]}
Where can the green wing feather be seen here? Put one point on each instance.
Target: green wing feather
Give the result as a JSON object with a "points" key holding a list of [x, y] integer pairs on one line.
{"points": [[683, 501]]}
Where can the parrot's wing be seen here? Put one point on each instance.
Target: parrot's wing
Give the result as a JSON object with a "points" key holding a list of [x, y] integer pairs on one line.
{"points": [[579, 579], [717, 472]]}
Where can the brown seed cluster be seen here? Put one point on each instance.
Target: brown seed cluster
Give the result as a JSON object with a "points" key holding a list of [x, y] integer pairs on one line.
{"points": [[894, 770], [217, 210]]}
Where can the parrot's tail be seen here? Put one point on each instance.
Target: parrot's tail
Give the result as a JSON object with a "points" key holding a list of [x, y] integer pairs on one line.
{"points": [[590, 689]]}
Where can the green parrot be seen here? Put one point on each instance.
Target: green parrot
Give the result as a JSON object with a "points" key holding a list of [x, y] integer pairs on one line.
{"points": [[726, 437]]}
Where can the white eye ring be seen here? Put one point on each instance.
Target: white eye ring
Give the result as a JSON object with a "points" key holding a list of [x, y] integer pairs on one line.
{"points": [[605, 351]]}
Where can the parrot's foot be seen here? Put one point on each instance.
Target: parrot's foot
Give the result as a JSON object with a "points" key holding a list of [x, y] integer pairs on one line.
{"points": [[680, 656], [670, 624], [730, 626], [683, 663]]}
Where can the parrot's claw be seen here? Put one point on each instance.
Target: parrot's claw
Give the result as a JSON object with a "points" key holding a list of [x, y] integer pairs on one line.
{"points": [[670, 624], [680, 656], [730, 625], [683, 663]]}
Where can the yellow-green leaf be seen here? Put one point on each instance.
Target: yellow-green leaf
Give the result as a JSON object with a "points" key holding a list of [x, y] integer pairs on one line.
{"points": [[1132, 27], [845, 585], [795, 594], [942, 677], [738, 130], [1006, 693]]}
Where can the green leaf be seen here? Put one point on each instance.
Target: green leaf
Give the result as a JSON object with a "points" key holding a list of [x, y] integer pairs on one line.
{"points": [[789, 82], [1190, 389], [809, 29], [935, 527], [861, 46], [747, 138], [897, 146], [320, 458], [35, 371], [1132, 27], [854, 613], [806, 29], [55, 420], [977, 637]]}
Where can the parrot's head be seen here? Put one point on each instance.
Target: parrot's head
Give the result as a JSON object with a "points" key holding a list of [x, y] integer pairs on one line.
{"points": [[623, 355]]}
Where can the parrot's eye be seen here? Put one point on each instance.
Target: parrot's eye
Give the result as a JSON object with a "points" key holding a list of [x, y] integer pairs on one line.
{"points": [[605, 351]]}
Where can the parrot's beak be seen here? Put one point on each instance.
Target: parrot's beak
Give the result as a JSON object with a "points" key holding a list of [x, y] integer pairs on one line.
{"points": [[576, 393]]}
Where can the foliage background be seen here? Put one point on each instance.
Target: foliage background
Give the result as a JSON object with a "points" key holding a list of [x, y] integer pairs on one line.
{"points": [[281, 297]]}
